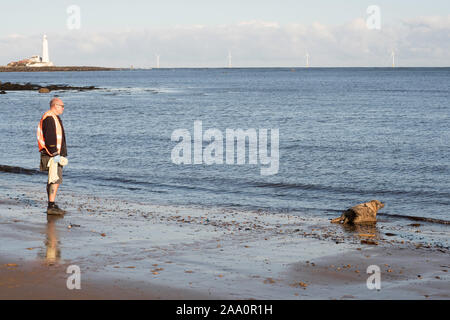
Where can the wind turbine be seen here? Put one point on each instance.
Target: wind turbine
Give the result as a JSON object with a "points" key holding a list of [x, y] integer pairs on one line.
{"points": [[393, 58], [307, 60], [157, 61], [229, 59]]}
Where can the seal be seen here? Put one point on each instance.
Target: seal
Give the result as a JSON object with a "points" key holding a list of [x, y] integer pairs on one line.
{"points": [[361, 213]]}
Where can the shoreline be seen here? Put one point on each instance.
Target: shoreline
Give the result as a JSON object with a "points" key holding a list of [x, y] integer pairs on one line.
{"points": [[53, 69], [139, 250], [290, 69]]}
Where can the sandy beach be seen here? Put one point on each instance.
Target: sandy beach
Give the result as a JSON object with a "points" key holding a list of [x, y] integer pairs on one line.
{"points": [[132, 250], [225, 153]]}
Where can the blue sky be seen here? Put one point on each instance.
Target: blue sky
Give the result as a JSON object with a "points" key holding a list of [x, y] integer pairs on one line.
{"points": [[251, 29]]}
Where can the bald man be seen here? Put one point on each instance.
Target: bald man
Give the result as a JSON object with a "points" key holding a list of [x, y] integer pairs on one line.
{"points": [[52, 144]]}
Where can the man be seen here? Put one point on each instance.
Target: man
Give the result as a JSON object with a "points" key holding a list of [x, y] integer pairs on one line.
{"points": [[52, 145]]}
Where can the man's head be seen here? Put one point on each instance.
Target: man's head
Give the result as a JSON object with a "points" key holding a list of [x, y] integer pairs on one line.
{"points": [[57, 106]]}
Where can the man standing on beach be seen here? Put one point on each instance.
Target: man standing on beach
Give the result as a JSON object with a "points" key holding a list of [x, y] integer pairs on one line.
{"points": [[52, 145]]}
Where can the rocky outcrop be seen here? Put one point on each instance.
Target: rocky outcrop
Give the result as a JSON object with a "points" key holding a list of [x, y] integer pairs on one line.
{"points": [[8, 86]]}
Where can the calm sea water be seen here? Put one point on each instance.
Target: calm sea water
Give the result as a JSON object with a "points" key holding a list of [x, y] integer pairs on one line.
{"points": [[347, 135]]}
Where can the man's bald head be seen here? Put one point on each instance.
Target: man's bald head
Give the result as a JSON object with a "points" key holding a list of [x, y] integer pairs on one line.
{"points": [[57, 106], [55, 101]]}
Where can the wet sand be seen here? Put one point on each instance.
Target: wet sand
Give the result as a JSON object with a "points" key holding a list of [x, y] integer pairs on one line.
{"points": [[142, 251], [34, 280]]}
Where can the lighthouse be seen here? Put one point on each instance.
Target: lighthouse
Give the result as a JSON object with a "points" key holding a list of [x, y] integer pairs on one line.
{"points": [[41, 61]]}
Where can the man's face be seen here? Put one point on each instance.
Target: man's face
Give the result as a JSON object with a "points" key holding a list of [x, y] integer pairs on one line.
{"points": [[58, 107]]}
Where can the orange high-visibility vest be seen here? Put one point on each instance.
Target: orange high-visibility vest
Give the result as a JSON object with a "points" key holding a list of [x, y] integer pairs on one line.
{"points": [[40, 133]]}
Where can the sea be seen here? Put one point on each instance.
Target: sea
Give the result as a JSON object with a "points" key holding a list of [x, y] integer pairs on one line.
{"points": [[346, 136]]}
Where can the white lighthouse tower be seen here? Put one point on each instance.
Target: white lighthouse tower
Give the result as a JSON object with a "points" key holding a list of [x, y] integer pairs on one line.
{"points": [[45, 57]]}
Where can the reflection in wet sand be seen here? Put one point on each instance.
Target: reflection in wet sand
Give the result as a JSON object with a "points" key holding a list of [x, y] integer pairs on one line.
{"points": [[369, 229], [53, 252]]}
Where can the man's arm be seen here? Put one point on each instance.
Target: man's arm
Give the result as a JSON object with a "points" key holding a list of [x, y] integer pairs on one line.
{"points": [[49, 130]]}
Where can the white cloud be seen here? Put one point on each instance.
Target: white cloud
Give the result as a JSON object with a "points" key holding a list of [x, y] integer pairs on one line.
{"points": [[259, 24], [423, 41]]}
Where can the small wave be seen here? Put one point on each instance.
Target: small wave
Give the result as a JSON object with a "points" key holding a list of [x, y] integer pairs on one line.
{"points": [[318, 187], [410, 90], [139, 90], [20, 170], [414, 218]]}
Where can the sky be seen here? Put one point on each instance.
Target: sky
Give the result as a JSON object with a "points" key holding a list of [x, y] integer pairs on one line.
{"points": [[201, 33]]}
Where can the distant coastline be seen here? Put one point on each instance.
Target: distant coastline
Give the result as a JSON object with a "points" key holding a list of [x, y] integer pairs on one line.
{"points": [[51, 69], [295, 68]]}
